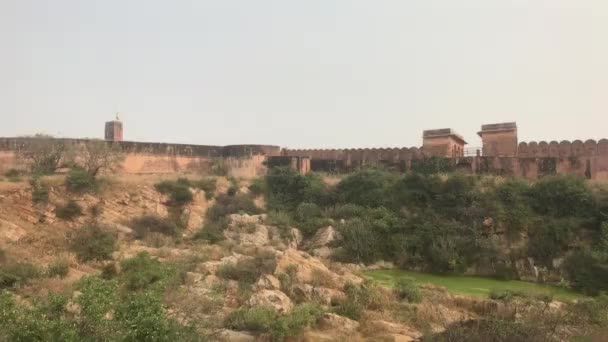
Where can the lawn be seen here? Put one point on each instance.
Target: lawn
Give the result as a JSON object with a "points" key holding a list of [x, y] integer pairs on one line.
{"points": [[471, 285]]}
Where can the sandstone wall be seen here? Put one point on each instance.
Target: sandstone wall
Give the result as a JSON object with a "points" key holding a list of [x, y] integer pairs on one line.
{"points": [[144, 157]]}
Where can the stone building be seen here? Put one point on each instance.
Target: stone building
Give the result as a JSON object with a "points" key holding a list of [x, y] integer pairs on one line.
{"points": [[499, 140], [114, 131], [443, 143]]}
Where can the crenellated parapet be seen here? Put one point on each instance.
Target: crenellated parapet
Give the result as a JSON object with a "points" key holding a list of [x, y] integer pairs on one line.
{"points": [[563, 149], [358, 154]]}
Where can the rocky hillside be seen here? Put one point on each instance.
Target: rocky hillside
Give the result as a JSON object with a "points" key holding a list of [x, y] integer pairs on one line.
{"points": [[257, 282]]}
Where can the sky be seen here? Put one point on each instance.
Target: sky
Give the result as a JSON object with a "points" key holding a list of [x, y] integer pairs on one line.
{"points": [[304, 73]]}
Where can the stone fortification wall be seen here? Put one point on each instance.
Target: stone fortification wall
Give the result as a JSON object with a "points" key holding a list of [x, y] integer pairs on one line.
{"points": [[587, 159], [145, 157]]}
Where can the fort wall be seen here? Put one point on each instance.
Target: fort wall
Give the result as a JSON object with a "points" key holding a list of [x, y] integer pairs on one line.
{"points": [[145, 157]]}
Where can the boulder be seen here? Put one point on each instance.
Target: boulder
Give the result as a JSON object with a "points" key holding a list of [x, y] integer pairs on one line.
{"points": [[338, 324], [327, 296], [268, 282], [302, 293], [235, 336], [323, 237], [276, 299], [193, 278], [10, 231], [307, 266], [398, 331], [295, 238]]}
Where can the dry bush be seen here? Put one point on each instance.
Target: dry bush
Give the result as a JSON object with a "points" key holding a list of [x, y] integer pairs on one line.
{"points": [[321, 278]]}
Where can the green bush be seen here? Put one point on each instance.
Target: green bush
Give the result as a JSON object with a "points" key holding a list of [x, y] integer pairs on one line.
{"points": [[348, 211], [208, 185], [142, 272], [40, 192], [212, 231], [587, 271], [286, 189], [68, 211], [93, 242], [406, 288], [146, 224], [257, 187], [13, 175], [280, 219], [58, 268], [561, 196], [360, 242], [257, 319], [309, 218], [249, 270], [292, 324], [15, 274], [260, 319], [367, 187], [226, 205], [80, 181], [178, 191], [359, 298]]}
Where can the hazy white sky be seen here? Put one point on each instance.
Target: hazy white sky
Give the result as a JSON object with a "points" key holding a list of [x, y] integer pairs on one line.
{"points": [[304, 73]]}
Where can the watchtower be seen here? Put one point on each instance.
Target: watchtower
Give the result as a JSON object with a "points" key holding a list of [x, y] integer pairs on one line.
{"points": [[114, 130], [443, 143], [499, 139]]}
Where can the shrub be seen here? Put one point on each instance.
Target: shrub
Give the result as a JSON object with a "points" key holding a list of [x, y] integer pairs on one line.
{"points": [[406, 288], [256, 319], [561, 196], [208, 185], [550, 238], [367, 187], [501, 294], [79, 180], [262, 319], [359, 298], [43, 153], [280, 219], [309, 218], [40, 192], [15, 274], [249, 270], [178, 191], [348, 211], [587, 271], [226, 205], [146, 224], [142, 317], [286, 189], [92, 242], [292, 324], [109, 271], [69, 211], [213, 232], [13, 175], [58, 268], [360, 243], [257, 187], [143, 272]]}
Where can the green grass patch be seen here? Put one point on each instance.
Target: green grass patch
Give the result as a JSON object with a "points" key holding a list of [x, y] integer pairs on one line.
{"points": [[472, 285]]}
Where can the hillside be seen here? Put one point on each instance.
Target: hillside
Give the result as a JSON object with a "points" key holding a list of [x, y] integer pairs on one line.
{"points": [[213, 258]]}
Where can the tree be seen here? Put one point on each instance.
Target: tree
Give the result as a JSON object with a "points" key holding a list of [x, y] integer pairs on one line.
{"points": [[43, 153], [96, 156]]}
